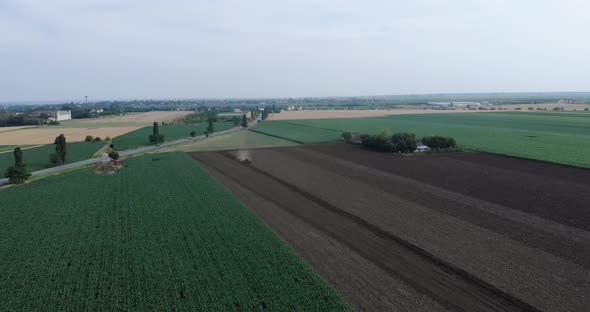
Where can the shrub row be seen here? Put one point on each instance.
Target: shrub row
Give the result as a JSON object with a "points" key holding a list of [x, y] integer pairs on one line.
{"points": [[384, 142], [402, 142], [439, 142], [90, 138]]}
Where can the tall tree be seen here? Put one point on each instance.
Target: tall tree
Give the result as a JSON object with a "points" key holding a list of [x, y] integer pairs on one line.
{"points": [[18, 157], [244, 121], [60, 148], [18, 173], [156, 129], [156, 137], [210, 128]]}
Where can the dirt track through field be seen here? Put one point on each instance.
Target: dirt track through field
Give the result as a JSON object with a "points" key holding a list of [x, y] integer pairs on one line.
{"points": [[447, 247]]}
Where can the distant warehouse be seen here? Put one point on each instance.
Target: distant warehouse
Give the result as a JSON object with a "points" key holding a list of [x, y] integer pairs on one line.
{"points": [[53, 115], [454, 104]]}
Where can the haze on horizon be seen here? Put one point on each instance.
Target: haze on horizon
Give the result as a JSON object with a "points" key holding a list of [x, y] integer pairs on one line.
{"points": [[64, 50]]}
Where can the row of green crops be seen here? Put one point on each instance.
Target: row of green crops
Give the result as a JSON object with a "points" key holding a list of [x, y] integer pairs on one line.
{"points": [[161, 235], [556, 137], [38, 158], [140, 137]]}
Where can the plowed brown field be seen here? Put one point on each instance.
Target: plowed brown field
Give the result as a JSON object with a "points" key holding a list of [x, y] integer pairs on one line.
{"points": [[465, 231]]}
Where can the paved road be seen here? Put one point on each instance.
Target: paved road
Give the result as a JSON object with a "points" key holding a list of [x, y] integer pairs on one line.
{"points": [[255, 122], [126, 153]]}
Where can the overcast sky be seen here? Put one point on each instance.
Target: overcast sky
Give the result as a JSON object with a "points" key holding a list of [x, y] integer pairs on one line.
{"points": [[63, 50]]}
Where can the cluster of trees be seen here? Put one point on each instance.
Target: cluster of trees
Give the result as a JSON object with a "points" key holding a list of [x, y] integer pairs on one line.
{"points": [[268, 110], [18, 120], [199, 117], [385, 142], [401, 142], [90, 138], [438, 142]]}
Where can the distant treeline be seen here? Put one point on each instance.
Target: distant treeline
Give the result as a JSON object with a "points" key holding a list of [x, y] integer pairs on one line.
{"points": [[18, 120], [85, 110]]}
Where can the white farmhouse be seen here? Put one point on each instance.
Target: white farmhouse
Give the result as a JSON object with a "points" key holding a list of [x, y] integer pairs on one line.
{"points": [[62, 115]]}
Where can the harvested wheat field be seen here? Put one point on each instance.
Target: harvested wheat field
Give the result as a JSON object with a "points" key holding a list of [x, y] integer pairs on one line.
{"points": [[8, 129], [548, 106], [460, 232], [46, 135], [327, 114], [139, 119]]}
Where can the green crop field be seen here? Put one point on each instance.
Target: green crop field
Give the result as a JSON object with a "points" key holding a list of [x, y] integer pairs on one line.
{"points": [[140, 137], [236, 140], [38, 158], [161, 235], [556, 137]]}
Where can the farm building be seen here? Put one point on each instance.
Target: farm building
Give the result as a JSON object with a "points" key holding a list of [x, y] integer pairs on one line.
{"points": [[454, 104], [57, 115], [63, 115]]}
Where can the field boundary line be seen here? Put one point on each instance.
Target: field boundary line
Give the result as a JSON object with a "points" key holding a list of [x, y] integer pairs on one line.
{"points": [[570, 165], [308, 126], [277, 136], [22, 149]]}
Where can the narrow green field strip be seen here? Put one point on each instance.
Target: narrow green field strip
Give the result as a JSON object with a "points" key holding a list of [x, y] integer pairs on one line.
{"points": [[37, 158], [299, 133], [140, 137]]}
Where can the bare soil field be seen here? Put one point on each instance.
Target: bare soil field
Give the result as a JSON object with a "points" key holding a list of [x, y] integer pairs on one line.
{"points": [[46, 135], [231, 141], [464, 231], [328, 114]]}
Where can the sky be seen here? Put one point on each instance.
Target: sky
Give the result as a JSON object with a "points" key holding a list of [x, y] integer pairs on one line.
{"points": [[105, 49]]}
